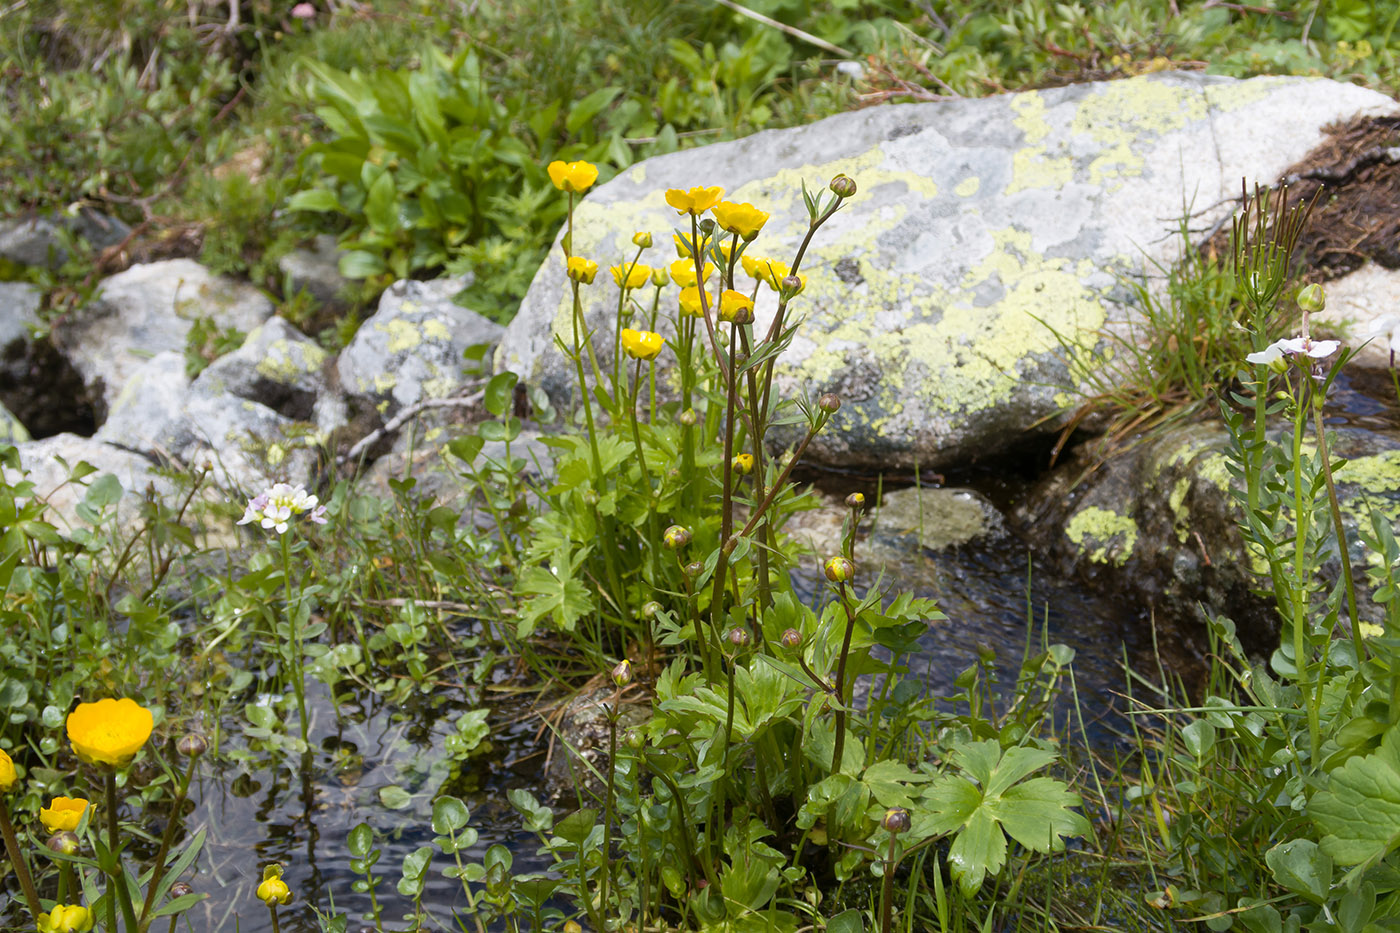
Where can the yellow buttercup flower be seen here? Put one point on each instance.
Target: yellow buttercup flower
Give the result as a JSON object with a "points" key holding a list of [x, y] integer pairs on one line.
{"points": [[582, 270], [683, 272], [743, 219], [690, 302], [684, 247], [577, 177], [642, 344], [695, 200], [66, 918], [766, 270], [8, 776], [64, 814], [273, 889], [109, 731], [630, 276], [743, 463], [735, 306]]}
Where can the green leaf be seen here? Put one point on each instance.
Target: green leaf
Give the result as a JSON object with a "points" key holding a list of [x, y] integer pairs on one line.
{"points": [[848, 921], [359, 840], [1301, 867], [499, 393], [415, 870], [381, 206], [361, 264], [1359, 812], [449, 815], [583, 112], [980, 849], [320, 200], [394, 797]]}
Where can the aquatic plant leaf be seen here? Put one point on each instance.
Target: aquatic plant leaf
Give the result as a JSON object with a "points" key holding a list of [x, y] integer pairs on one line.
{"points": [[1359, 812], [1301, 867]]}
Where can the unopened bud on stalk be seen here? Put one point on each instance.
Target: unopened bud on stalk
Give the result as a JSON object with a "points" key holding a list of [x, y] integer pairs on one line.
{"points": [[742, 463], [650, 609], [855, 501], [634, 740], [896, 820], [659, 277], [180, 889], [622, 674], [791, 639], [694, 569], [738, 637], [707, 227], [64, 843], [1312, 299], [830, 403], [839, 570], [642, 239], [590, 497], [676, 537], [688, 417], [843, 186], [793, 285], [192, 745]]}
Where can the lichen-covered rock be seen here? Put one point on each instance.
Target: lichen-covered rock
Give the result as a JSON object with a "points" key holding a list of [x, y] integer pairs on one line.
{"points": [[981, 228], [261, 414], [412, 348], [149, 309], [38, 240], [1161, 523], [37, 384], [901, 525]]}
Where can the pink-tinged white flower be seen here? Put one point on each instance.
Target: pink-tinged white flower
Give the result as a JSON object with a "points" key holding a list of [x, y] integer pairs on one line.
{"points": [[274, 510], [304, 11], [1294, 346]]}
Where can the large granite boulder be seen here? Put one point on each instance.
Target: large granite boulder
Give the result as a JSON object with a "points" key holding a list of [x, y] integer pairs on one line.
{"points": [[980, 231], [413, 346], [149, 309]]}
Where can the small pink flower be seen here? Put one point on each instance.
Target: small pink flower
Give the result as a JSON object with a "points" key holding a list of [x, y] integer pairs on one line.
{"points": [[304, 11]]}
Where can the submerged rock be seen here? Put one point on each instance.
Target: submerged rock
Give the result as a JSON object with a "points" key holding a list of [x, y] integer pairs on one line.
{"points": [[981, 230]]}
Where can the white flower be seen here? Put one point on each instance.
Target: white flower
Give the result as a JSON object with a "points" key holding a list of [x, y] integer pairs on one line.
{"points": [[1294, 346], [275, 509]]}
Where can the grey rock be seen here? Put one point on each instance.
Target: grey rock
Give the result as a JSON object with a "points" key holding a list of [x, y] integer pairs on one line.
{"points": [[37, 384], [411, 349], [277, 366], [316, 268], [19, 314], [1161, 524], [581, 737], [145, 414], [37, 240], [149, 309], [40, 464], [978, 227]]}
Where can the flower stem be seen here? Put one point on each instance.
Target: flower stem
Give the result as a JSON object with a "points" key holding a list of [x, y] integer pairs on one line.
{"points": [[116, 878], [158, 870], [21, 867], [887, 888], [839, 749], [608, 801]]}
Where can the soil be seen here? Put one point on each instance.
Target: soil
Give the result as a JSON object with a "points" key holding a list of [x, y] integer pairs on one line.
{"points": [[1353, 182]]}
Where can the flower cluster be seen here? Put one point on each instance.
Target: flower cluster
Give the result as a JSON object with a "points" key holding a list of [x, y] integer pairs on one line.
{"points": [[276, 508]]}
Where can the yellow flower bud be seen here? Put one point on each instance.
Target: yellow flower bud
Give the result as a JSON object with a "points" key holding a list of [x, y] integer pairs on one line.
{"points": [[582, 270], [735, 306], [66, 918], [8, 776], [743, 463], [642, 239], [642, 344], [690, 302], [622, 674], [273, 889]]}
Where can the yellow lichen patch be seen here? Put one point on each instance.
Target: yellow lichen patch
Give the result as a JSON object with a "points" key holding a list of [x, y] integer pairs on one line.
{"points": [[383, 382], [1376, 473], [1121, 113], [638, 174], [403, 335], [1176, 501], [968, 187], [1215, 469], [276, 453], [1111, 536], [1237, 94], [1030, 116], [1031, 168], [285, 360], [436, 329]]}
